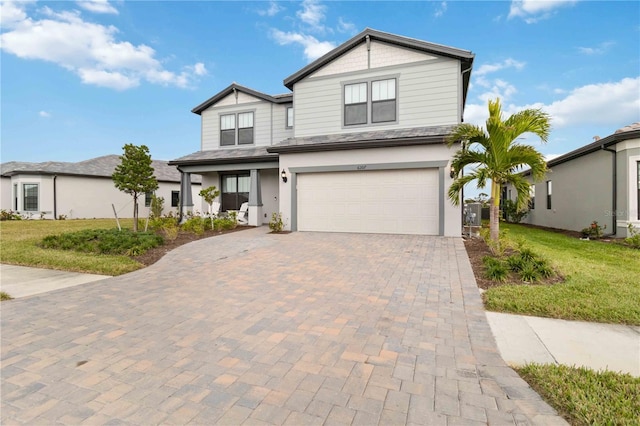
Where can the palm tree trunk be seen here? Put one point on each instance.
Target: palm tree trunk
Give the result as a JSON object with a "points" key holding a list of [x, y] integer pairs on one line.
{"points": [[494, 212]]}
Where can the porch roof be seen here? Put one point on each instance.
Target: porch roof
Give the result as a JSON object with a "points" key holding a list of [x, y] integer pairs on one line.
{"points": [[368, 139], [226, 156]]}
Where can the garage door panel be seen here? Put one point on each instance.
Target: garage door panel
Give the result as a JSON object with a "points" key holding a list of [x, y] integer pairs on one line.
{"points": [[385, 201]]}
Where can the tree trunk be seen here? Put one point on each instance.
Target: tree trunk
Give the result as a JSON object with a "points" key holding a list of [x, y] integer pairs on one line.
{"points": [[135, 215], [494, 212]]}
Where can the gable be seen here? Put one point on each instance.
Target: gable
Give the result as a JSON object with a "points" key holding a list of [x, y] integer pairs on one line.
{"points": [[243, 98], [380, 54]]}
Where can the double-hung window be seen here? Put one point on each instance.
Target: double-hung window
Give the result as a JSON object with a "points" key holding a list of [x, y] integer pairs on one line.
{"points": [[236, 129], [175, 198], [355, 104], [532, 197], [370, 102], [383, 100], [30, 197], [548, 195]]}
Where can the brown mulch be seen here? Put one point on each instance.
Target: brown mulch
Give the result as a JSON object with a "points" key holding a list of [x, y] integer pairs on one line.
{"points": [[152, 256], [478, 249]]}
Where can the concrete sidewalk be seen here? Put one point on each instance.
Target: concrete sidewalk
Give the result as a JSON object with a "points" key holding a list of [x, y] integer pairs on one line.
{"points": [[21, 281], [524, 339]]}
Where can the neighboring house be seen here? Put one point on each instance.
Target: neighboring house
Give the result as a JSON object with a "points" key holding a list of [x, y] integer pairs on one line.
{"points": [[81, 190], [357, 146], [599, 181]]}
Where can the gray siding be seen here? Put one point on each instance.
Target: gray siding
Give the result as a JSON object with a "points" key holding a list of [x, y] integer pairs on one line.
{"points": [[427, 96], [579, 195], [280, 131], [261, 123]]}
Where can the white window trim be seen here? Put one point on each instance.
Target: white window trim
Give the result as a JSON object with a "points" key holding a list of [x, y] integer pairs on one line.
{"points": [[632, 184], [286, 117], [369, 81], [37, 184]]}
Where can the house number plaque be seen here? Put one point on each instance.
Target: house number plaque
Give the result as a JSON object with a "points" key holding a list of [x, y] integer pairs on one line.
{"points": [[362, 167]]}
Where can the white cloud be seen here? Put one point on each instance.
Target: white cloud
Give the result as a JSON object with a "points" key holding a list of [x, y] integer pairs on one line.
{"points": [[346, 27], [313, 48], [441, 9], [12, 12], [597, 50], [485, 69], [535, 10], [97, 6], [500, 89], [606, 104], [312, 14], [273, 10], [90, 50], [44, 114]]}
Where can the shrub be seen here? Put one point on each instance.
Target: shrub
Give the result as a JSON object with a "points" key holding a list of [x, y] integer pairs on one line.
{"points": [[194, 224], [634, 239], [593, 231], [157, 205], [276, 224], [496, 269], [529, 273], [9, 215], [511, 212], [226, 223], [104, 241]]}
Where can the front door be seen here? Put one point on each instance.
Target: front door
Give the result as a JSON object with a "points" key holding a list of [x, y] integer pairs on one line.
{"points": [[235, 190]]}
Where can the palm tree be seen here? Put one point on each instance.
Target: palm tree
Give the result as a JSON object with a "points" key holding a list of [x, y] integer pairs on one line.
{"points": [[498, 156]]}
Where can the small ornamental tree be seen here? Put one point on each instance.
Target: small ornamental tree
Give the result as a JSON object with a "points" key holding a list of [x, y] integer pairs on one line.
{"points": [[134, 175], [208, 195]]}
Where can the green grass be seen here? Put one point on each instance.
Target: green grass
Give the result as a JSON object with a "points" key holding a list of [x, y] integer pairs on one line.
{"points": [[586, 397], [602, 280], [19, 240]]}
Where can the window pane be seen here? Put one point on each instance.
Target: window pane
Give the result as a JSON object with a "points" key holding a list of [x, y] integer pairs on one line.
{"points": [[228, 137], [383, 90], [382, 111], [227, 122], [229, 183], [175, 198], [147, 199], [245, 120], [355, 93], [243, 183], [245, 136], [30, 191], [15, 196], [355, 114], [290, 117]]}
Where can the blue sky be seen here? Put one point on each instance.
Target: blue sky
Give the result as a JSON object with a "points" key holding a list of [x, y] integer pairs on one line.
{"points": [[81, 79]]}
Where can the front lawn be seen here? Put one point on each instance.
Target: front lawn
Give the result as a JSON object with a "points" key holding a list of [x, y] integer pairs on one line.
{"points": [[586, 397], [602, 280], [20, 239]]}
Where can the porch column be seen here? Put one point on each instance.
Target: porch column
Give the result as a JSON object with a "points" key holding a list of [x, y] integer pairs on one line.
{"points": [[186, 199], [255, 199]]}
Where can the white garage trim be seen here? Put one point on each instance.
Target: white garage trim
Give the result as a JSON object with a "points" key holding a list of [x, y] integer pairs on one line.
{"points": [[440, 165]]}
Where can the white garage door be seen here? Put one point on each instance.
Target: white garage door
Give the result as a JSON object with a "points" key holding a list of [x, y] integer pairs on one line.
{"points": [[385, 201]]}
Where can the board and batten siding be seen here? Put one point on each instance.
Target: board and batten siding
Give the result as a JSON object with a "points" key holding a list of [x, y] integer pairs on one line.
{"points": [[261, 122], [428, 95]]}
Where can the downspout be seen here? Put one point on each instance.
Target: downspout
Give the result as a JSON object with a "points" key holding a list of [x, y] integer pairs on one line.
{"points": [[55, 204], [614, 198], [461, 92], [368, 41], [181, 200]]}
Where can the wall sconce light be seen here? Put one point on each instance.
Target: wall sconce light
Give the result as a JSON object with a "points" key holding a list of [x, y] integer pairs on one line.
{"points": [[452, 173], [284, 176]]}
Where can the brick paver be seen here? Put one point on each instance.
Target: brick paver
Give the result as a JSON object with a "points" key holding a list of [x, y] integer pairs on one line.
{"points": [[255, 328]]}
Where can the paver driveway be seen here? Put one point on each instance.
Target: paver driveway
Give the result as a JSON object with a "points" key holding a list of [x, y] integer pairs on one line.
{"points": [[302, 328]]}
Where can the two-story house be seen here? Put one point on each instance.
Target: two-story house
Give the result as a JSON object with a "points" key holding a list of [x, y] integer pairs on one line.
{"points": [[357, 146]]}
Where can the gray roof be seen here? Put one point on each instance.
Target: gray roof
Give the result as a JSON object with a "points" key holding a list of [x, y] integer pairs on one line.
{"points": [[464, 56], [226, 155], [368, 139], [98, 167], [276, 99]]}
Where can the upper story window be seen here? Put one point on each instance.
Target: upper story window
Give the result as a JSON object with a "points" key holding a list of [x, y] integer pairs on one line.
{"points": [[377, 96], [236, 129], [289, 117], [355, 104]]}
